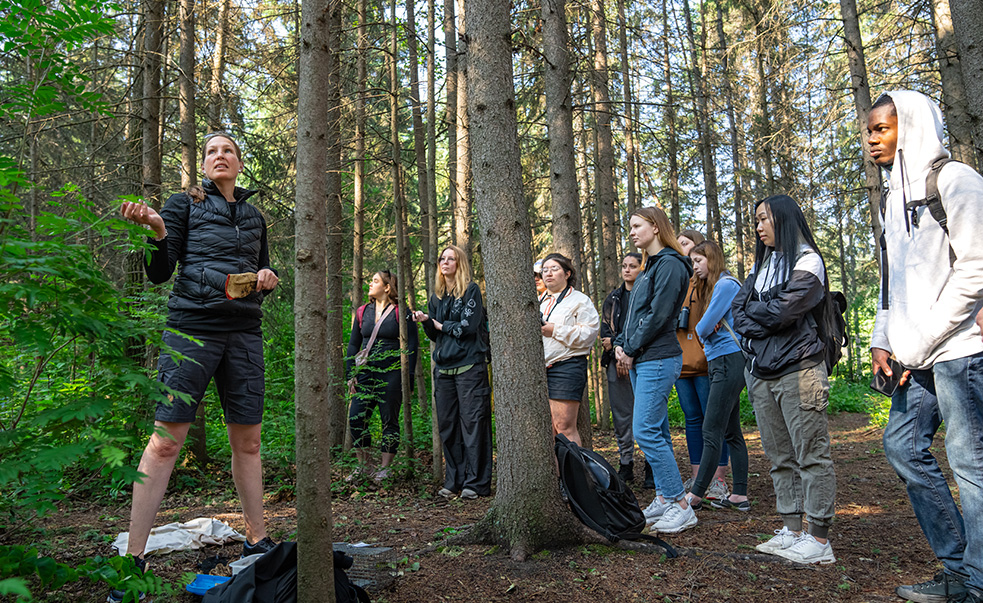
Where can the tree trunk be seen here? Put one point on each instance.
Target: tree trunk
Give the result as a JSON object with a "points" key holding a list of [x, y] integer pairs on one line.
{"points": [[629, 125], [861, 98], [450, 110], [604, 175], [735, 146], [763, 142], [430, 244], [704, 130], [955, 103], [419, 134], [670, 119], [462, 201], [967, 17], [312, 378], [358, 178], [152, 51], [527, 513], [215, 107], [567, 230], [335, 240]]}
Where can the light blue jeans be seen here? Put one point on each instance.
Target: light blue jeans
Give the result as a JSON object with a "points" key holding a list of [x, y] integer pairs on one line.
{"points": [[953, 391], [652, 381]]}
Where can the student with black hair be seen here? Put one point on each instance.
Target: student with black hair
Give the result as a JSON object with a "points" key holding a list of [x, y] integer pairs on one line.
{"points": [[786, 376]]}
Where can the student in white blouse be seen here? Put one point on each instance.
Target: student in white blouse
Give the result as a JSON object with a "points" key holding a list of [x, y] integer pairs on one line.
{"points": [[570, 326]]}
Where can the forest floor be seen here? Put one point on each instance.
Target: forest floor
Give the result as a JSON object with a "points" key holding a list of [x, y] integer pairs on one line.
{"points": [[875, 538]]}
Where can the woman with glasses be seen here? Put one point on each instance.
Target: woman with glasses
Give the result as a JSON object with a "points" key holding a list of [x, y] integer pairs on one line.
{"points": [[455, 322], [377, 379], [570, 326]]}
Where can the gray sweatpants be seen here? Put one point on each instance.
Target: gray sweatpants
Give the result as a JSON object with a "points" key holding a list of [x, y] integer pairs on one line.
{"points": [[622, 406], [791, 413]]}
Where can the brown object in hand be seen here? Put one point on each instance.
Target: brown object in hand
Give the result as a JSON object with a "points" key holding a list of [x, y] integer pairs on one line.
{"points": [[240, 285]]}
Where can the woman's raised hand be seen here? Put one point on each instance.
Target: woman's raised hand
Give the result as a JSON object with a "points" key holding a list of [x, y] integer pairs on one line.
{"points": [[419, 316], [141, 213]]}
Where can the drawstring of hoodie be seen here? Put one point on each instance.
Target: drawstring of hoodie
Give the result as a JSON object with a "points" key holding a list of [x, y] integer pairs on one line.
{"points": [[904, 197]]}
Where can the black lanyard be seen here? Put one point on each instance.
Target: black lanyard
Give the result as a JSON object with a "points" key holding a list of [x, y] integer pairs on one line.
{"points": [[558, 300]]}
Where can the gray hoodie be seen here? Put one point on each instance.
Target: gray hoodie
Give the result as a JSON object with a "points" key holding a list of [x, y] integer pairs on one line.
{"points": [[932, 305]]}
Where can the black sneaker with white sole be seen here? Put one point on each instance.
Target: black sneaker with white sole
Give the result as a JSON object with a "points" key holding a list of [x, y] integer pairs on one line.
{"points": [[263, 546], [941, 588], [118, 595]]}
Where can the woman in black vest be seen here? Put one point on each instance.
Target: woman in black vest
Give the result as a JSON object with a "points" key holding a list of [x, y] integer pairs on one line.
{"points": [[208, 233], [377, 379]]}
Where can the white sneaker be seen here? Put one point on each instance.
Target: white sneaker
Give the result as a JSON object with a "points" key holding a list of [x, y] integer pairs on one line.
{"points": [[783, 539], [675, 520], [806, 549], [655, 510], [717, 490]]}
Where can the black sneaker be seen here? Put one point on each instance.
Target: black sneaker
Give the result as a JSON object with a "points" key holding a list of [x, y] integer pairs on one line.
{"points": [[724, 503], [263, 546], [627, 472], [117, 596], [941, 588], [649, 483], [970, 596]]}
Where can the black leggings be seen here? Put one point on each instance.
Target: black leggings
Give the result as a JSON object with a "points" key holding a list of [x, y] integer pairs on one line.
{"points": [[382, 389], [722, 422]]}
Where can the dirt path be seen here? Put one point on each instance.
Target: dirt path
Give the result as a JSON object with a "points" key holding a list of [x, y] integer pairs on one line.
{"points": [[875, 538]]}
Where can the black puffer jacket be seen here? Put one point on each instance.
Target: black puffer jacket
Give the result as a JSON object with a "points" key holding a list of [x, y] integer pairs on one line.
{"points": [[778, 329], [207, 244], [658, 293], [462, 340]]}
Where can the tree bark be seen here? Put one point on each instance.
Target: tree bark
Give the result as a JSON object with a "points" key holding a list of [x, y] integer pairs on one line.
{"points": [[358, 176], [861, 98], [312, 382], [216, 106], [419, 133], [629, 124], [567, 230], [336, 232], [967, 17], [669, 113], [430, 249], [955, 103], [527, 513], [462, 201], [735, 145], [450, 110], [152, 51], [604, 174]]}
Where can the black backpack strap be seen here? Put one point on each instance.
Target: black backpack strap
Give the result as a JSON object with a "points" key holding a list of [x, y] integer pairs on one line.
{"points": [[671, 552]]}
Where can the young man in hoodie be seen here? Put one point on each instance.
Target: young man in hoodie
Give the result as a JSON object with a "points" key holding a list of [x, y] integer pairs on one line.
{"points": [[929, 300]]}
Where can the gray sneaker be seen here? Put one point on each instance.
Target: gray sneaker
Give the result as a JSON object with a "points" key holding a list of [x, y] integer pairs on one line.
{"points": [[717, 490], [936, 590], [675, 520], [781, 540], [808, 551]]}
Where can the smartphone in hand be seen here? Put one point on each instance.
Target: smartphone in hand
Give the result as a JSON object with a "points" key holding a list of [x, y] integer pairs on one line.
{"points": [[883, 384]]}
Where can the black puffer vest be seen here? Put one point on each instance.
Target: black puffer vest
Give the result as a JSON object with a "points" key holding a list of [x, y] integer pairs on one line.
{"points": [[215, 248]]}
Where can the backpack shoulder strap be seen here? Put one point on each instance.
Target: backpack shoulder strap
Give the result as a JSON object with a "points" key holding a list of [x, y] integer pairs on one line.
{"points": [[359, 313]]}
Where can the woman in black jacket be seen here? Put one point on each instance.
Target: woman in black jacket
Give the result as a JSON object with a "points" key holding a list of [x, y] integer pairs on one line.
{"points": [[208, 233], [455, 321], [376, 374], [774, 312], [613, 314]]}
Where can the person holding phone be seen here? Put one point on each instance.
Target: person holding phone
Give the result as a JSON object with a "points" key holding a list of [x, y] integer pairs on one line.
{"points": [[570, 326], [931, 293]]}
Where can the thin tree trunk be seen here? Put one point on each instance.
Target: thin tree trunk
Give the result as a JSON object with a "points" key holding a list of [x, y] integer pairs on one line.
{"points": [[861, 98], [313, 391], [419, 133], [764, 131], [955, 104], [215, 107], [462, 202], [735, 146], [358, 183], [670, 119], [527, 513], [450, 110], [604, 174], [430, 249], [336, 233], [567, 230], [152, 50], [967, 17], [629, 103]]}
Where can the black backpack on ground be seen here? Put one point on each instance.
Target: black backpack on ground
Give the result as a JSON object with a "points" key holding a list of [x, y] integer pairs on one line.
{"points": [[599, 497]]}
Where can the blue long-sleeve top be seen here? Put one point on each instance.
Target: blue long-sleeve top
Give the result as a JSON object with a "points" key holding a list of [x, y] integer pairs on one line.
{"points": [[717, 340]]}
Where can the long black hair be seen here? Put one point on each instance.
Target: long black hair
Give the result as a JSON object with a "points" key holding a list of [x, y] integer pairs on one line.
{"points": [[791, 231]]}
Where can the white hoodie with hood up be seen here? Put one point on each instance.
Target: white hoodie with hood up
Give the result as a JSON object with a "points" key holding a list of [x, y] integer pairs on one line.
{"points": [[931, 305]]}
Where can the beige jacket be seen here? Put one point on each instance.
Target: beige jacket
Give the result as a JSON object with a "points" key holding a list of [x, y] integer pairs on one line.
{"points": [[575, 325]]}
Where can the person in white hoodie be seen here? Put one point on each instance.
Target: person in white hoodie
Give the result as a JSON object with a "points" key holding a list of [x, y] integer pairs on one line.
{"points": [[931, 291]]}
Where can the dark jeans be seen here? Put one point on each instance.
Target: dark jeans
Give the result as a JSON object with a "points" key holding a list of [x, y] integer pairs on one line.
{"points": [[693, 393], [953, 391], [723, 422], [464, 419], [382, 389]]}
